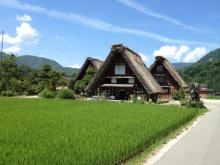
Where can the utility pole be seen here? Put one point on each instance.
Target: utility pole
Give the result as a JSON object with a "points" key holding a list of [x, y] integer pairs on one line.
{"points": [[2, 46]]}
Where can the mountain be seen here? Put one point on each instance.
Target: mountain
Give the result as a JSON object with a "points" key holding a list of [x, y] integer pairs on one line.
{"points": [[36, 62], [181, 65], [212, 56], [206, 70]]}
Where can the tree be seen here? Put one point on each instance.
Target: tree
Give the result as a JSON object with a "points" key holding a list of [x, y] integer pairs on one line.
{"points": [[203, 72], [9, 75], [24, 80], [80, 85], [50, 79], [71, 84]]}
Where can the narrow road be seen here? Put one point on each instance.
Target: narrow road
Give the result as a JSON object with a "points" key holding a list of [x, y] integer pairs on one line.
{"points": [[201, 145]]}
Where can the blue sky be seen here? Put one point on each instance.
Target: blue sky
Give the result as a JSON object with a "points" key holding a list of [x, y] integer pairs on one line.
{"points": [[68, 32]]}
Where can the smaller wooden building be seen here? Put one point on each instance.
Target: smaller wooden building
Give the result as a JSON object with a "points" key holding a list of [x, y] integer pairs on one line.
{"points": [[167, 76], [95, 63], [205, 91], [124, 75]]}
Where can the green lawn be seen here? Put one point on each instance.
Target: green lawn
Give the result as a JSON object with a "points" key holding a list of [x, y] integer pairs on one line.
{"points": [[41, 131]]}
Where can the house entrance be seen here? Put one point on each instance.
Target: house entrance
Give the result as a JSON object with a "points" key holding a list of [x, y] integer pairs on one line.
{"points": [[121, 94]]}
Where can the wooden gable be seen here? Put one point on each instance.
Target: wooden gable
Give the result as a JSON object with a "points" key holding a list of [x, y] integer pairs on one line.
{"points": [[95, 63], [163, 76], [116, 60], [83, 71]]}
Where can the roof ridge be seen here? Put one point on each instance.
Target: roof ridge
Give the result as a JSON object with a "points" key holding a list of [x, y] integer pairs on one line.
{"points": [[125, 47]]}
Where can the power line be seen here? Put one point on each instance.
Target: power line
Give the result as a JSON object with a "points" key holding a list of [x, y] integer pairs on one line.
{"points": [[2, 46]]}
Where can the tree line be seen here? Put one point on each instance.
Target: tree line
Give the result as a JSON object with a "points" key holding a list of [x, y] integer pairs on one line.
{"points": [[203, 72], [23, 80]]}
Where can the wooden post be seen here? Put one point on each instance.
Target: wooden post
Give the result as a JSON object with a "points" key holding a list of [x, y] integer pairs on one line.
{"points": [[2, 47]]}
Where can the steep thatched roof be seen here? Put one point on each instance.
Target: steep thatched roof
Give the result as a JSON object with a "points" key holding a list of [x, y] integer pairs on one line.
{"points": [[89, 61], [135, 63], [170, 68]]}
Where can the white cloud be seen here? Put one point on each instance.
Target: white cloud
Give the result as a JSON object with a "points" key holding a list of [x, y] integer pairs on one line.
{"points": [[183, 49], [24, 18], [144, 57], [97, 24], [25, 34], [196, 54], [75, 66], [12, 49], [166, 51], [147, 11], [182, 53]]}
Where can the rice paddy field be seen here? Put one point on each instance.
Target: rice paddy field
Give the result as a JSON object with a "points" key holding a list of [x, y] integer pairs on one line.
{"points": [[41, 131]]}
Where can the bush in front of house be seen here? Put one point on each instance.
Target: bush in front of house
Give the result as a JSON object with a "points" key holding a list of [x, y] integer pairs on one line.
{"points": [[46, 93], [192, 103], [195, 104], [179, 94], [183, 102], [66, 94]]}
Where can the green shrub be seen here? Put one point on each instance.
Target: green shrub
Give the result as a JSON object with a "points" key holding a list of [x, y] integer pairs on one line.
{"points": [[192, 103], [135, 100], [32, 90], [8, 93], [46, 93], [180, 94], [195, 104], [66, 94], [183, 102]]}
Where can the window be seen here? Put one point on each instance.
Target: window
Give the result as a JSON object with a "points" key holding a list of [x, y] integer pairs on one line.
{"points": [[131, 80], [159, 69], [119, 69], [113, 80]]}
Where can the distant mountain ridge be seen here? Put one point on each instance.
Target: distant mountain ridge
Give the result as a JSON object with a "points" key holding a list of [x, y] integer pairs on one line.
{"points": [[211, 56], [36, 62], [206, 70], [181, 65]]}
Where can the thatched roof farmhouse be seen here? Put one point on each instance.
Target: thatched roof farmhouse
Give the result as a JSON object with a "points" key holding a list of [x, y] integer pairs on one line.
{"points": [[167, 76], [123, 75], [95, 63]]}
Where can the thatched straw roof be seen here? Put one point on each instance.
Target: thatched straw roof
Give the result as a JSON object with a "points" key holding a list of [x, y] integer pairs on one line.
{"points": [[96, 63], [135, 63], [170, 68]]}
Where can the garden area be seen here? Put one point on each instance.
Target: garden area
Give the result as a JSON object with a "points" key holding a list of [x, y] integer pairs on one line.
{"points": [[57, 131]]}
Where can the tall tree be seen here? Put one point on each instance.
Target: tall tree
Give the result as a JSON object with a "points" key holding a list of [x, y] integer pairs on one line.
{"points": [[80, 85]]}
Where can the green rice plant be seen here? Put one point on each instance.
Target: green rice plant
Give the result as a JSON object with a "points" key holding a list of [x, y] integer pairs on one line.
{"points": [[43, 131]]}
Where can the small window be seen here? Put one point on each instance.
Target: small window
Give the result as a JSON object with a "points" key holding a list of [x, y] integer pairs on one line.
{"points": [[131, 80], [159, 69], [113, 80], [119, 69]]}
